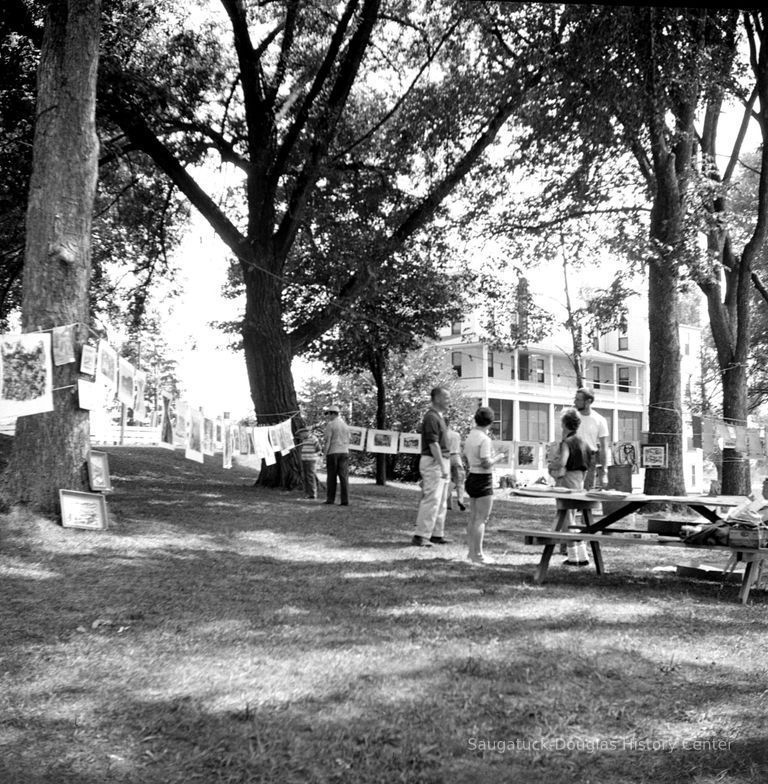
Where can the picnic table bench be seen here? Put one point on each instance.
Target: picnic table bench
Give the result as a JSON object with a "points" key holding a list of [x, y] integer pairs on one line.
{"points": [[604, 531]]}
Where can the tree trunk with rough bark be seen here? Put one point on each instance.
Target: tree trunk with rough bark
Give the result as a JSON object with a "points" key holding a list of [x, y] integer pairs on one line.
{"points": [[665, 406], [49, 450], [267, 349]]}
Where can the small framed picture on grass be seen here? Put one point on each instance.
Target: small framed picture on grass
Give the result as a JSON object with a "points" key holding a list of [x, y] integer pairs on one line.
{"points": [[83, 510], [98, 471], [653, 456]]}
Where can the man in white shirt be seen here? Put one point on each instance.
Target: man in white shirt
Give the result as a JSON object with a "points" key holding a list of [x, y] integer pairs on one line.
{"points": [[594, 430]]}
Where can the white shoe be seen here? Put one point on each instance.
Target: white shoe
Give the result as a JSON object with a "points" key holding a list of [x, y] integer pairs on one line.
{"points": [[480, 559]]}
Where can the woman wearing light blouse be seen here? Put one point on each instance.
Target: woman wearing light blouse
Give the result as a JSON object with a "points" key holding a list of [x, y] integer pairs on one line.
{"points": [[479, 482]]}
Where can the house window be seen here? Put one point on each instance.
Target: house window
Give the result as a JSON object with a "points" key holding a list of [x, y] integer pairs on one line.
{"points": [[523, 360], [456, 327], [595, 343], [490, 364], [534, 421], [687, 348], [538, 369], [630, 424], [456, 362], [624, 380], [596, 377], [502, 418], [623, 339]]}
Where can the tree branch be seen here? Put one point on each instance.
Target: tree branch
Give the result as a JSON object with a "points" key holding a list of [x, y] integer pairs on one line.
{"points": [[303, 335], [322, 75], [220, 143], [326, 125], [144, 138], [367, 135]]}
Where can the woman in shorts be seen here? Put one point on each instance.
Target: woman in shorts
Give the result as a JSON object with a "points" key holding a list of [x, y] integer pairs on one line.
{"points": [[479, 482]]}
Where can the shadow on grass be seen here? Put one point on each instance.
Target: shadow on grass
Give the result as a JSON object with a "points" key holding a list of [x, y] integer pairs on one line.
{"points": [[226, 633]]}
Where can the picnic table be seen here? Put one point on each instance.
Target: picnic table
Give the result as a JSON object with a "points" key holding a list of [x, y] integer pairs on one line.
{"points": [[604, 530]]}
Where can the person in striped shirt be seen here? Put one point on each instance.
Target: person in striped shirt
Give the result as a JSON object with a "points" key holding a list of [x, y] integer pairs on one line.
{"points": [[309, 451]]}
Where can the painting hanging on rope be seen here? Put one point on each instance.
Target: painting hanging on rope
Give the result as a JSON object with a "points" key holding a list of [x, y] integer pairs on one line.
{"points": [[410, 443], [208, 436], [357, 438], [194, 449], [382, 442], [90, 395], [125, 390], [107, 366], [88, 360], [26, 373], [139, 404], [166, 425], [226, 444], [63, 345]]}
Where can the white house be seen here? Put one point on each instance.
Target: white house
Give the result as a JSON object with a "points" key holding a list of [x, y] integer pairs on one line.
{"points": [[528, 387]]}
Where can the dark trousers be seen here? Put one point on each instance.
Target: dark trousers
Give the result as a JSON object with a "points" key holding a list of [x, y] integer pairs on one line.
{"points": [[310, 478], [338, 468]]}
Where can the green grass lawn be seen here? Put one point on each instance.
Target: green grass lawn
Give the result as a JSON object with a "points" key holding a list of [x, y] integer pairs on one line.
{"points": [[219, 632]]}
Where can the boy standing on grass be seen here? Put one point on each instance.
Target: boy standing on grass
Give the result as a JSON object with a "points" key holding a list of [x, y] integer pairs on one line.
{"points": [[309, 451]]}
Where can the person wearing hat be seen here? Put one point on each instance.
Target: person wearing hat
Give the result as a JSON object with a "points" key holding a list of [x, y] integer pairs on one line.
{"points": [[309, 450], [336, 455]]}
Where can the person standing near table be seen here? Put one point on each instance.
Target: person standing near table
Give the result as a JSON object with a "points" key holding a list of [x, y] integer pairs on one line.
{"points": [[570, 470], [434, 468], [594, 430], [336, 453], [479, 483]]}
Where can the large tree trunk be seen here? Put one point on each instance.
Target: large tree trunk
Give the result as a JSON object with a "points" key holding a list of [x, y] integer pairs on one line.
{"points": [[49, 450], [665, 393], [736, 478], [268, 354], [664, 414]]}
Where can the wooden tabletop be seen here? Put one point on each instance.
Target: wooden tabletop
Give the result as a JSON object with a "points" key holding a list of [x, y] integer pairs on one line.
{"points": [[642, 498]]}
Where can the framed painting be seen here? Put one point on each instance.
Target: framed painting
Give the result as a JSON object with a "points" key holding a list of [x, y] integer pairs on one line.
{"points": [[125, 383], [527, 456], [653, 456], [88, 360], [98, 471], [107, 365], [410, 443], [357, 438], [382, 442], [26, 374], [507, 449], [194, 447], [209, 436], [83, 510], [63, 344]]}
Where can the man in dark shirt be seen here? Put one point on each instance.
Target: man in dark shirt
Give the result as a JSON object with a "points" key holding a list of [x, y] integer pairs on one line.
{"points": [[434, 467]]}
